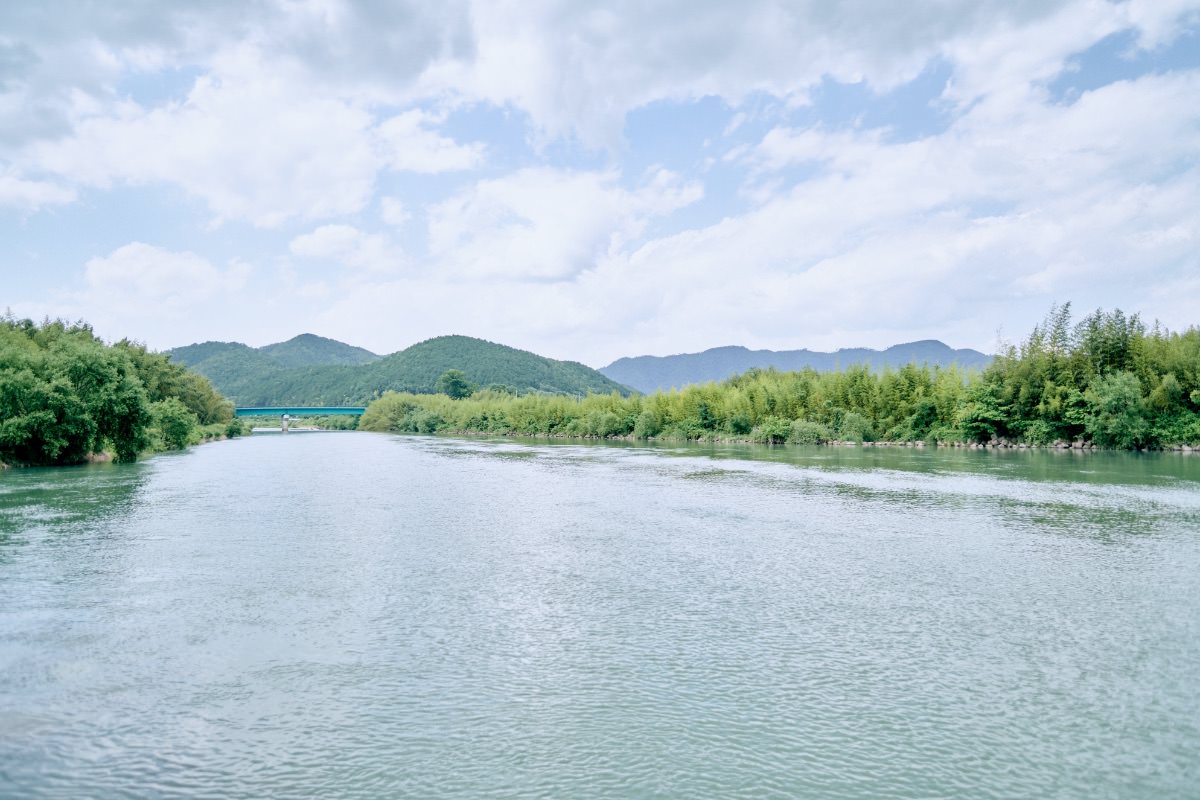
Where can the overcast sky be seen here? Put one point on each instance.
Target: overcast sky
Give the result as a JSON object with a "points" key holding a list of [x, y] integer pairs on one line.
{"points": [[651, 178]]}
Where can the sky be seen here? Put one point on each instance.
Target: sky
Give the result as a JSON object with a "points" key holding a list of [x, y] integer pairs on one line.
{"points": [[590, 181]]}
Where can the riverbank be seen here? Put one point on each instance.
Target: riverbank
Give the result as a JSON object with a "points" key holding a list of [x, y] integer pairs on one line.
{"points": [[107, 457], [1075, 447]]}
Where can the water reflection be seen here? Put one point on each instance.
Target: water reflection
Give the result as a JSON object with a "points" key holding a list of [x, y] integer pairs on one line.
{"points": [[65, 502]]}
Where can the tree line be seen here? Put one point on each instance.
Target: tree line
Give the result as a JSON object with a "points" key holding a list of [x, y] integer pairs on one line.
{"points": [[65, 395], [1108, 380]]}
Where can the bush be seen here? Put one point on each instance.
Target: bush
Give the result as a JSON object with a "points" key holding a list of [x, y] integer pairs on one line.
{"points": [[772, 430], [646, 426], [1116, 415], [422, 421], [175, 423], [740, 425], [604, 424], [1039, 431], [855, 427], [806, 432]]}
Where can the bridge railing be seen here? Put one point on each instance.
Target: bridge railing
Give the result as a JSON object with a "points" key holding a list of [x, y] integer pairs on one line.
{"points": [[298, 411]]}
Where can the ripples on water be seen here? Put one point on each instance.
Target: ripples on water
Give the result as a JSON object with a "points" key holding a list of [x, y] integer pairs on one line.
{"points": [[359, 615]]}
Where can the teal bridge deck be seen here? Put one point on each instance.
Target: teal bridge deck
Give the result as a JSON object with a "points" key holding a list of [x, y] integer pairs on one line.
{"points": [[299, 411]]}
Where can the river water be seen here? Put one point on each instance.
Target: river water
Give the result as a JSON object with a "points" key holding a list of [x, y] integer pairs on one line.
{"points": [[364, 615]]}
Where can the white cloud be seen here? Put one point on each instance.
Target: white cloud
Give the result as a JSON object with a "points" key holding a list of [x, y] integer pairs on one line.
{"points": [[407, 144], [31, 195], [254, 144], [142, 276], [250, 145], [156, 295], [578, 69], [540, 223], [393, 211], [348, 246]]}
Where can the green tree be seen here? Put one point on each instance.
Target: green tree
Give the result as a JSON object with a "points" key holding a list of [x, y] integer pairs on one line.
{"points": [[454, 384], [1116, 415], [176, 423]]}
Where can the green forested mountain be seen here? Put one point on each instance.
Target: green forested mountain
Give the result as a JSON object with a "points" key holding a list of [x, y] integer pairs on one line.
{"points": [[66, 395], [308, 350], [305, 350], [659, 373], [257, 377]]}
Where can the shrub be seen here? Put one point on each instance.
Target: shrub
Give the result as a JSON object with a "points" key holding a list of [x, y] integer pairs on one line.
{"points": [[175, 423], [807, 432], [855, 427], [740, 424], [646, 426], [772, 430], [1116, 415]]}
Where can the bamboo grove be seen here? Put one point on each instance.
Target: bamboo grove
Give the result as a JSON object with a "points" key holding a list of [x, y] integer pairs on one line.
{"points": [[1107, 381]]}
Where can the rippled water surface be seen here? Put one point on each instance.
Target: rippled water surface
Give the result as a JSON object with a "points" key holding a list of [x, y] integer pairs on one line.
{"points": [[361, 615]]}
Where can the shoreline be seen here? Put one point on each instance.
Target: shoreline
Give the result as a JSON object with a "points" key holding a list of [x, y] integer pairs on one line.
{"points": [[1061, 447], [105, 457]]}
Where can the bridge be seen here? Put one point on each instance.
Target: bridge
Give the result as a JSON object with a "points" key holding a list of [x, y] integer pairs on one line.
{"points": [[299, 411]]}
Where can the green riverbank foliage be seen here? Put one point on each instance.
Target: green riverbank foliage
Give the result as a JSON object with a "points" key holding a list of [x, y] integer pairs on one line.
{"points": [[65, 395], [1107, 380]]}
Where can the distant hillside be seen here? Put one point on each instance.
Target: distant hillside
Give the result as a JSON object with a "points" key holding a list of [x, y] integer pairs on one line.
{"points": [[307, 350], [650, 373], [258, 377]]}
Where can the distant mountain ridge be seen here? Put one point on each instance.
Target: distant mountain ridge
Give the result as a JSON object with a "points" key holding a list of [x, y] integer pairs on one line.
{"points": [[652, 373], [312, 370], [305, 350]]}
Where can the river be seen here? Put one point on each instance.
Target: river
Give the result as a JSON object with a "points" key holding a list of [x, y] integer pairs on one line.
{"points": [[364, 615]]}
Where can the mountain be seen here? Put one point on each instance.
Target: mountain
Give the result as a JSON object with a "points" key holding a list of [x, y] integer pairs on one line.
{"points": [[307, 350], [486, 363], [650, 373], [261, 377]]}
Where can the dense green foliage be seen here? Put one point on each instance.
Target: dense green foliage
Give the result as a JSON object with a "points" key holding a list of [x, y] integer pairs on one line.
{"points": [[253, 378], [454, 384], [65, 395], [1107, 381], [661, 373]]}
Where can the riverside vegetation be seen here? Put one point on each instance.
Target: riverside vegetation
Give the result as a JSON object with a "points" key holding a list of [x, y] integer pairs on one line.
{"points": [[66, 396], [1107, 382]]}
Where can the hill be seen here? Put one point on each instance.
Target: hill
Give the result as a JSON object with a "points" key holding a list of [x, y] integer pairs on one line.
{"points": [[651, 373], [307, 350], [258, 377]]}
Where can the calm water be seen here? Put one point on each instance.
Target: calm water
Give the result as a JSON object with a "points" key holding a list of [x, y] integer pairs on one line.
{"points": [[359, 615]]}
